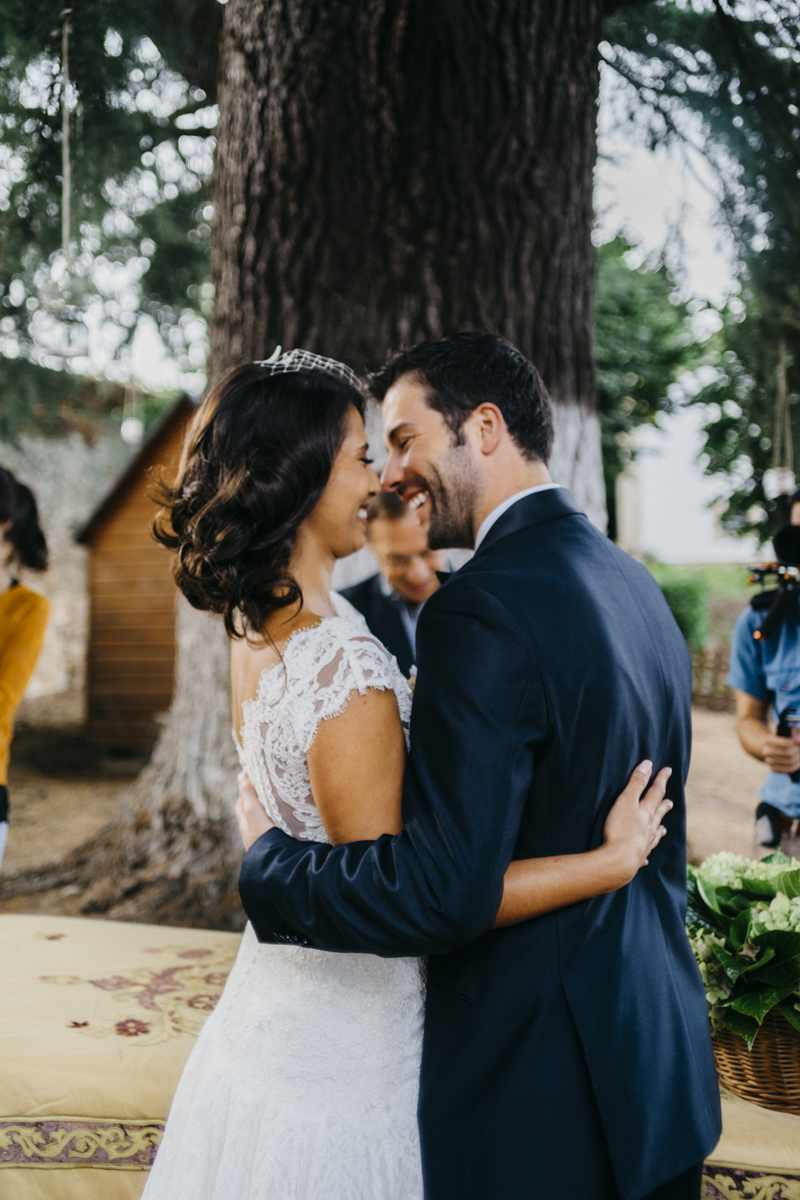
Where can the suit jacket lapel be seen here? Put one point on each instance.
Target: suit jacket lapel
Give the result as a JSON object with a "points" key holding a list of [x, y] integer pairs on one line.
{"points": [[531, 510]]}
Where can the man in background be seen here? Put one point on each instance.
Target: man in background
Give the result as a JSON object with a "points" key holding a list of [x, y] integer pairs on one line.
{"points": [[392, 600], [766, 678]]}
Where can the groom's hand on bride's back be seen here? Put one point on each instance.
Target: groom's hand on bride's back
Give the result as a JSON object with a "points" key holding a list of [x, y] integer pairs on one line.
{"points": [[634, 827], [250, 814]]}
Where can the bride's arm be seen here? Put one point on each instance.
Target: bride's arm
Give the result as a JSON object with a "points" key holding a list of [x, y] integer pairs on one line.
{"points": [[633, 828], [356, 765]]}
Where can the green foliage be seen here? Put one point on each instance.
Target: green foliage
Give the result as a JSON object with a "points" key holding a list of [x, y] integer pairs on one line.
{"points": [[38, 400], [743, 919], [687, 597], [735, 67], [142, 80], [643, 341]]}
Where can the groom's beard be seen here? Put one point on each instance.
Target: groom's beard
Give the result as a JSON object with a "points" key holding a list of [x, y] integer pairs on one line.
{"points": [[455, 489]]}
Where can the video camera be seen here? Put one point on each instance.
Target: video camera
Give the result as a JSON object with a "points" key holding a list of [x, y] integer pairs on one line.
{"points": [[777, 602]]}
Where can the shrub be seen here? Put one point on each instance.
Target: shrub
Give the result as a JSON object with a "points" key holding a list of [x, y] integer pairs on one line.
{"points": [[687, 598]]}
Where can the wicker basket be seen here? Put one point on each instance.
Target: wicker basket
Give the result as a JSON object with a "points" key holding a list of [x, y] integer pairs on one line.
{"points": [[769, 1074]]}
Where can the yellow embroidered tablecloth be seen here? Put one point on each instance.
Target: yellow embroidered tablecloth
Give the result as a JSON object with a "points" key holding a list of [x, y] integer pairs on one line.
{"points": [[758, 1156], [97, 1019]]}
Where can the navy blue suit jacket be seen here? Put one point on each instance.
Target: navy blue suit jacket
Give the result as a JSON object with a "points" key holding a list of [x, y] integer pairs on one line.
{"points": [[382, 614], [570, 1054]]}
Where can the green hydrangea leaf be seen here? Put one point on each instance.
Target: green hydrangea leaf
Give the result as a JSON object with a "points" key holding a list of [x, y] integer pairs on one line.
{"points": [[746, 1027], [760, 887], [789, 884], [732, 901], [698, 914], [739, 929], [785, 943], [756, 1003], [732, 965], [774, 972], [709, 895], [789, 1011]]}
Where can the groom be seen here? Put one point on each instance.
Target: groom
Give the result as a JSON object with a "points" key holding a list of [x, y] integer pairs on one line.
{"points": [[568, 1056]]}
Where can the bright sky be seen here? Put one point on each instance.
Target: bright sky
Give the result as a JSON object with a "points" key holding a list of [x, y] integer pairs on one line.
{"points": [[663, 199]]}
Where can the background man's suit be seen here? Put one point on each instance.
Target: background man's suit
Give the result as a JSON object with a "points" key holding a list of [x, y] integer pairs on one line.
{"points": [[573, 1049], [382, 614]]}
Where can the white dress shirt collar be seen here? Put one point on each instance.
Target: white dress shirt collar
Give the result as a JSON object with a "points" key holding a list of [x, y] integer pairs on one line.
{"points": [[496, 513]]}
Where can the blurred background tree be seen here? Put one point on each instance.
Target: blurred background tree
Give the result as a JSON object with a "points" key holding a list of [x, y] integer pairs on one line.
{"points": [[140, 103], [724, 77], [644, 341]]}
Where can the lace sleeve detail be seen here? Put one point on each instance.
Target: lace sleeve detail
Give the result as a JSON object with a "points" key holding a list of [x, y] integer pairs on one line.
{"points": [[321, 668], [343, 659]]}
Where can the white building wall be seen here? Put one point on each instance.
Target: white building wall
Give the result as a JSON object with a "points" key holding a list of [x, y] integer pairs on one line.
{"points": [[68, 476], [666, 502]]}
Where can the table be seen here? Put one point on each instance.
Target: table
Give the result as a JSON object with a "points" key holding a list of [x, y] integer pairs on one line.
{"points": [[97, 1019]]}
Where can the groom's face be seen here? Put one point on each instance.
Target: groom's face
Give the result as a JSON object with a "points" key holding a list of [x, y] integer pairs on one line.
{"points": [[430, 468]]}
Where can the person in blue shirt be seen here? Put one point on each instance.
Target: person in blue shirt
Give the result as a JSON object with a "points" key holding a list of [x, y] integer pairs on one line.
{"points": [[766, 678]]}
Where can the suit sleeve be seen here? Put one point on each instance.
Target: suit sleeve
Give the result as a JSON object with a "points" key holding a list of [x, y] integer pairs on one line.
{"points": [[478, 721]]}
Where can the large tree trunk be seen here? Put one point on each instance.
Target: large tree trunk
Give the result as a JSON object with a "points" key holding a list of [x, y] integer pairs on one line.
{"points": [[387, 170], [391, 170]]}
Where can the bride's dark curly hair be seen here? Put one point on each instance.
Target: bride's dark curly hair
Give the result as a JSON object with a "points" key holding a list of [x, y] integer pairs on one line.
{"points": [[256, 460]]}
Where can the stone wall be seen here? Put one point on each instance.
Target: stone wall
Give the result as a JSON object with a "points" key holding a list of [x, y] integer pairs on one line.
{"points": [[68, 477]]}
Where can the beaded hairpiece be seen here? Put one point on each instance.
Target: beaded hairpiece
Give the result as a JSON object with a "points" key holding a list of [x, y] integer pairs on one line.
{"points": [[304, 360]]}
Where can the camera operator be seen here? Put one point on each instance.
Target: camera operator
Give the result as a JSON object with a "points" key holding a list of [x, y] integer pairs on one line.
{"points": [[766, 677]]}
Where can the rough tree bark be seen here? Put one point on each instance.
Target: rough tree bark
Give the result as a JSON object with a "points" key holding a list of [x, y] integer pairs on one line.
{"points": [[390, 170], [387, 170]]}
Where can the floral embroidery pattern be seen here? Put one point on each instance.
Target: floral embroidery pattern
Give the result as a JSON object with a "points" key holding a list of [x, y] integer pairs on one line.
{"points": [[176, 997], [57, 1141], [131, 1028], [738, 1183]]}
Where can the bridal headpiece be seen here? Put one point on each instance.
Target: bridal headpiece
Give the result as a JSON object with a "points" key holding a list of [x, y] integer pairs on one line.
{"points": [[303, 360]]}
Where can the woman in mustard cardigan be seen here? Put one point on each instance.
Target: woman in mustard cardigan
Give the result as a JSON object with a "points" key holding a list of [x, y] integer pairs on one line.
{"points": [[23, 614]]}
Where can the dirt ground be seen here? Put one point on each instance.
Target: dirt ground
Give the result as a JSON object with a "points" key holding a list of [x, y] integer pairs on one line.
{"points": [[62, 793], [722, 789]]}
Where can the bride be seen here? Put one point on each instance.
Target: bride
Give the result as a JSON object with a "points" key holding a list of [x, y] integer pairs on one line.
{"points": [[303, 1083]]}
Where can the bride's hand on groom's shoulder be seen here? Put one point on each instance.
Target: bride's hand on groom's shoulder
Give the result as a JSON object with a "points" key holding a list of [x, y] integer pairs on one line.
{"points": [[633, 828], [250, 814]]}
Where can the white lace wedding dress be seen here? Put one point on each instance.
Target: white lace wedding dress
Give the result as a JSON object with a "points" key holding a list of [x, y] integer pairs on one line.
{"points": [[303, 1083]]}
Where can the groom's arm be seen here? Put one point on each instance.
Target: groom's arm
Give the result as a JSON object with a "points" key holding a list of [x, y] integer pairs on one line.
{"points": [[478, 719]]}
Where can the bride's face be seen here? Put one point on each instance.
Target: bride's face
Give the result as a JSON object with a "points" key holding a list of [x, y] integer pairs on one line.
{"points": [[339, 521]]}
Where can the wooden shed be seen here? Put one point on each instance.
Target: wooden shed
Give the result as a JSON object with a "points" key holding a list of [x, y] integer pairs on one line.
{"points": [[131, 654]]}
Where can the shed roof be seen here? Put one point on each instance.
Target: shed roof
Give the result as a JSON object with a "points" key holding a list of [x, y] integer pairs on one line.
{"points": [[182, 407]]}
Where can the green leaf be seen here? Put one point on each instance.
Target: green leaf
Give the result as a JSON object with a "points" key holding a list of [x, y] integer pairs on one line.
{"points": [[756, 1003], [734, 966], [760, 887], [746, 1027], [789, 883], [732, 900], [785, 942], [789, 1011], [709, 895], [698, 914], [739, 929]]}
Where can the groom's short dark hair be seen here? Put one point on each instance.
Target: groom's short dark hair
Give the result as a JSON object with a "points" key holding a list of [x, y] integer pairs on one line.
{"points": [[468, 369]]}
